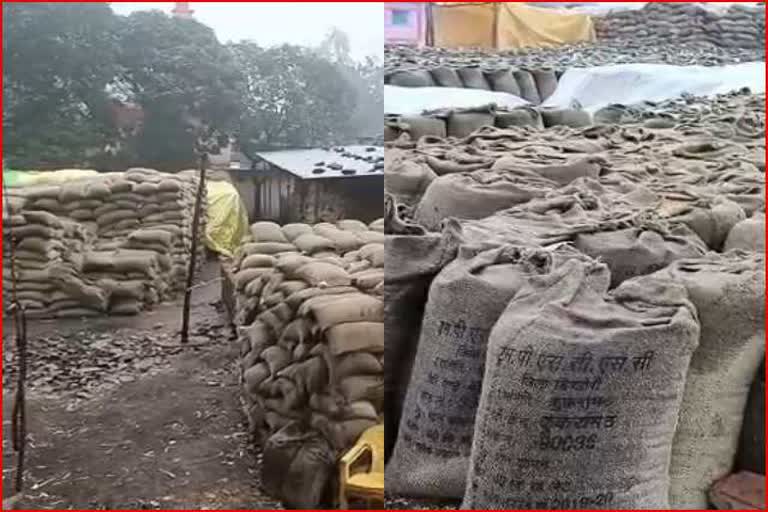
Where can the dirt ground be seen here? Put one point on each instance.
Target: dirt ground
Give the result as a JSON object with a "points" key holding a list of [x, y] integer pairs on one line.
{"points": [[119, 419]]}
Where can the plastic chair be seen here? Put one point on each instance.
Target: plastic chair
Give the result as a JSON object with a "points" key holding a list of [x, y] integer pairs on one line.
{"points": [[367, 485]]}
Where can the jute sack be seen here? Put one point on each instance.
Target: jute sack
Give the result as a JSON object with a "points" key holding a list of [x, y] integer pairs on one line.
{"points": [[581, 394], [446, 77], [298, 467], [406, 179], [527, 86], [503, 80], [465, 300], [476, 195], [411, 78], [473, 78], [641, 250], [748, 235], [414, 257], [729, 294], [546, 82]]}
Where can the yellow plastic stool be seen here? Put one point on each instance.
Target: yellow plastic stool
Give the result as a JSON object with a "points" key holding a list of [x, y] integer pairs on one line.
{"points": [[366, 485]]}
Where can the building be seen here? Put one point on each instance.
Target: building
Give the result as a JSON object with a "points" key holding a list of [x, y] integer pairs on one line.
{"points": [[312, 185], [405, 23], [182, 10]]}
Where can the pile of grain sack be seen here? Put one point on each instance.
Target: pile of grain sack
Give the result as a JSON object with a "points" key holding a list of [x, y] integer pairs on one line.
{"points": [[310, 314], [583, 55], [116, 243], [657, 23], [575, 316]]}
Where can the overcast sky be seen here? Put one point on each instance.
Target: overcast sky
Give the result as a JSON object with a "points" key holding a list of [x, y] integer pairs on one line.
{"points": [[274, 23]]}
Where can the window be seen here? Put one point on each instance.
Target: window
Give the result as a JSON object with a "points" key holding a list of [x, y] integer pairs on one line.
{"points": [[400, 17]]}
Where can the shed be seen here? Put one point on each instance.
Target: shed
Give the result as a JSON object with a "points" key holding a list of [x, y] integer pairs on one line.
{"points": [[314, 185]]}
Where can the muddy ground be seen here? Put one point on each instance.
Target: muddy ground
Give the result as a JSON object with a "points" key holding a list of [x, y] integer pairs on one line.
{"points": [[120, 417]]}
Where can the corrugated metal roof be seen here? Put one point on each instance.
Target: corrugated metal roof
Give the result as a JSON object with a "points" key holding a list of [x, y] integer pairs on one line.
{"points": [[338, 162]]}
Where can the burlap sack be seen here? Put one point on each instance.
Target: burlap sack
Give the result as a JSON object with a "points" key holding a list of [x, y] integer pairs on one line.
{"points": [[267, 232], [414, 257], [523, 116], [546, 82], [503, 80], [411, 78], [406, 179], [570, 117], [729, 294], [473, 78], [463, 123], [476, 195], [527, 86], [581, 394], [446, 77], [298, 467], [748, 235], [424, 126], [465, 300], [640, 251]]}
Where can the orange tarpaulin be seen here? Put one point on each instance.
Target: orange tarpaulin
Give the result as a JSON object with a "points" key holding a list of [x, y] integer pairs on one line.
{"points": [[503, 25]]}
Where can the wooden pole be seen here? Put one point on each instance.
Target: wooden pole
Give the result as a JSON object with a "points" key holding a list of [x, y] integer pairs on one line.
{"points": [[193, 255], [19, 409]]}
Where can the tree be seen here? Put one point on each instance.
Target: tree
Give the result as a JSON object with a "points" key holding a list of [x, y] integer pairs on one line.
{"points": [[291, 97], [185, 81], [58, 59]]}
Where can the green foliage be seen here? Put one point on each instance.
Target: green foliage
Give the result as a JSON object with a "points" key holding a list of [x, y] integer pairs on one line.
{"points": [[66, 63], [291, 98], [57, 60]]}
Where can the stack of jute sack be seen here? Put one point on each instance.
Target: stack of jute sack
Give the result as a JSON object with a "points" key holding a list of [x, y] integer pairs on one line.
{"points": [[739, 26], [684, 152], [112, 244], [604, 52], [310, 313], [575, 317], [533, 85]]}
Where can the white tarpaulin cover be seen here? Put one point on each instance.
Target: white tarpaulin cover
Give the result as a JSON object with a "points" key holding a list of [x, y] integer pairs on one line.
{"points": [[410, 101], [628, 84]]}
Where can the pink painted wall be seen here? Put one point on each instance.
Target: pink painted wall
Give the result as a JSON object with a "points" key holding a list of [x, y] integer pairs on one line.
{"points": [[404, 22]]}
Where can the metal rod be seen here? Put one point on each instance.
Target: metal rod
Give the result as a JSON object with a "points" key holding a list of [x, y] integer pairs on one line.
{"points": [[193, 255], [19, 410]]}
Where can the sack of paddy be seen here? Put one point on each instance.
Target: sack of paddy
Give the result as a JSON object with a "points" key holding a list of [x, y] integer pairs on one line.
{"points": [[423, 126], [311, 243], [712, 222], [431, 455], [517, 117], [411, 78], [267, 232], [729, 293], [546, 82], [527, 86], [473, 78], [748, 235], [404, 178], [331, 310], [462, 122], [352, 225], [640, 250], [298, 467], [574, 118], [477, 195], [323, 274], [343, 241], [446, 77], [581, 394], [503, 80], [294, 230]]}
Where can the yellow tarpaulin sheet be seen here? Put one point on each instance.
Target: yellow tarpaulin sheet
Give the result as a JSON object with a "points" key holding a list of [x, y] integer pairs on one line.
{"points": [[463, 25], [227, 218], [504, 25]]}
